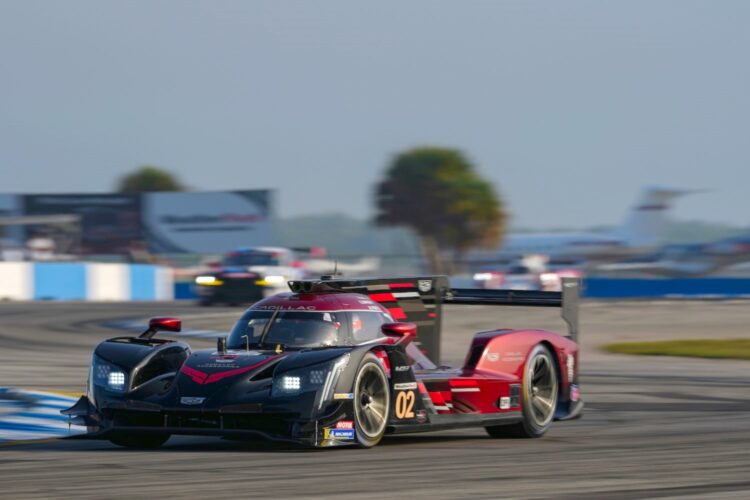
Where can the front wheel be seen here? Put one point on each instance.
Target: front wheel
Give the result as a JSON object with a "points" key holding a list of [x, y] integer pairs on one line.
{"points": [[138, 440], [539, 398], [371, 402]]}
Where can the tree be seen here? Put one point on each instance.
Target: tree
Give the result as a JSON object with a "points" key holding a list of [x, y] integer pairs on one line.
{"points": [[148, 178], [437, 192]]}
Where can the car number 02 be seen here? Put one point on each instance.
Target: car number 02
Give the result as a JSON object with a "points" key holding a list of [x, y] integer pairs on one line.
{"points": [[405, 404]]}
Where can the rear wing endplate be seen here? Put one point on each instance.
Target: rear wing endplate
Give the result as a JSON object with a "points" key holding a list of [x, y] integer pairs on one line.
{"points": [[567, 300]]}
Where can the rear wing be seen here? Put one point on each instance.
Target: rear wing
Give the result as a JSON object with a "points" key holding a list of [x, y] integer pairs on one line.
{"points": [[419, 300], [567, 300]]}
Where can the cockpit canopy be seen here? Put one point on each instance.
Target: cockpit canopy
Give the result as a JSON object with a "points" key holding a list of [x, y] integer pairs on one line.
{"points": [[305, 329]]}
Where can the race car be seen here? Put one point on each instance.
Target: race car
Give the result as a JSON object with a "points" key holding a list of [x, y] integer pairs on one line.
{"points": [[333, 363], [248, 275], [533, 272]]}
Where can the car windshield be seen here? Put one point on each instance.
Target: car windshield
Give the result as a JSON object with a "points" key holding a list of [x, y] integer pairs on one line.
{"points": [[295, 329], [306, 329], [251, 259]]}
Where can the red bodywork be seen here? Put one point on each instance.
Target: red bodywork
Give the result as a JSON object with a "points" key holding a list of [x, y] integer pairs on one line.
{"points": [[495, 360]]}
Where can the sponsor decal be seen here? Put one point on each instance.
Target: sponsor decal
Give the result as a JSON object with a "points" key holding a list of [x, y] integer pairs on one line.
{"points": [[402, 368], [224, 359], [191, 400], [571, 363], [342, 434], [345, 424], [424, 285], [575, 393], [218, 364], [493, 356], [504, 403], [288, 308], [343, 395], [421, 416], [405, 386]]}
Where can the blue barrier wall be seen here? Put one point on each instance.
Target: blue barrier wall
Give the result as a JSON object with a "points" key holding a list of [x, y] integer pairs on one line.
{"points": [[184, 291], [84, 281], [142, 282], [620, 288], [624, 288], [59, 281]]}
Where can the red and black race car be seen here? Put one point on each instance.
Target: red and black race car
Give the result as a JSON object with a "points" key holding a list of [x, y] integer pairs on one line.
{"points": [[336, 362]]}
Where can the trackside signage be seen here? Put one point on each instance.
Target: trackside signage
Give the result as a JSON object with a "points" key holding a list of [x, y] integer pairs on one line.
{"points": [[205, 222], [165, 222]]}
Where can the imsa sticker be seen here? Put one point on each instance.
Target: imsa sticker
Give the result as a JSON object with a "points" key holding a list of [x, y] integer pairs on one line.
{"points": [[343, 395]]}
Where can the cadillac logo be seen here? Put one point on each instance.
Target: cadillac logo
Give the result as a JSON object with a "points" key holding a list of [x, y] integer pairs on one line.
{"points": [[424, 285], [191, 400]]}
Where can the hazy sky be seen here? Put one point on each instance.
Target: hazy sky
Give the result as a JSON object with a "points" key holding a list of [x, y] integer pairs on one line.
{"points": [[568, 107]]}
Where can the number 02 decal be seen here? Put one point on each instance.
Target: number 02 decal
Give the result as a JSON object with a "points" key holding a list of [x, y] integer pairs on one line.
{"points": [[405, 404]]}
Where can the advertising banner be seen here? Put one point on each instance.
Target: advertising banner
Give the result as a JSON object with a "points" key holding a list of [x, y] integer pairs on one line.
{"points": [[206, 221]]}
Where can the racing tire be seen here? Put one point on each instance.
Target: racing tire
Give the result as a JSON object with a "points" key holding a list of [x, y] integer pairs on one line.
{"points": [[138, 440], [372, 402], [539, 392]]}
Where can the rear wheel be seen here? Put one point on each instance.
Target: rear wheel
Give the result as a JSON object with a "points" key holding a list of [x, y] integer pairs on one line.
{"points": [[138, 440], [539, 398], [371, 402]]}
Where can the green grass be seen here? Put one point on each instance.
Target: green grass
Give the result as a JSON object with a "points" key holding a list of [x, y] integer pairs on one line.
{"points": [[700, 348]]}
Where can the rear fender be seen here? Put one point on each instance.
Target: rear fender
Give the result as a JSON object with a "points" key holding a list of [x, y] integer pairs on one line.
{"points": [[507, 351]]}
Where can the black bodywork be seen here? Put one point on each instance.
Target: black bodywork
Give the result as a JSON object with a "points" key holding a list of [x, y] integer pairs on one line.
{"points": [[229, 394]]}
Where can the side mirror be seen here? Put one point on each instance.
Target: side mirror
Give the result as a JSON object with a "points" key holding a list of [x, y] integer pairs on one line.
{"points": [[401, 333], [165, 324], [161, 325]]}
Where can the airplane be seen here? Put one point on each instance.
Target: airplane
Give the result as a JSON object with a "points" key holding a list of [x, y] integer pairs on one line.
{"points": [[641, 232], [730, 255]]}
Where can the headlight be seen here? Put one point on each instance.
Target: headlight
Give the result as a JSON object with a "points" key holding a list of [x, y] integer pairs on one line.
{"points": [[270, 280], [321, 377], [208, 280], [291, 383], [108, 376]]}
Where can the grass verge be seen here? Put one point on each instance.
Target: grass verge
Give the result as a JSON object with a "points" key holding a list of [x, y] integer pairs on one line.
{"points": [[699, 348]]}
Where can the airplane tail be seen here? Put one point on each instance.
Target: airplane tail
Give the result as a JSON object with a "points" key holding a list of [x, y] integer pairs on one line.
{"points": [[646, 222]]}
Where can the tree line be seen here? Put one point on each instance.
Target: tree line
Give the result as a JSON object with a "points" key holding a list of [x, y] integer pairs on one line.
{"points": [[436, 192]]}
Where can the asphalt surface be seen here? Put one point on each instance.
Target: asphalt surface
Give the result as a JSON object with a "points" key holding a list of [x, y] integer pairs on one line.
{"points": [[652, 428]]}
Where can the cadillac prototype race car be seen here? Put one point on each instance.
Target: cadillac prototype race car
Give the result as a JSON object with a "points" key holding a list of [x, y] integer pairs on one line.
{"points": [[336, 362]]}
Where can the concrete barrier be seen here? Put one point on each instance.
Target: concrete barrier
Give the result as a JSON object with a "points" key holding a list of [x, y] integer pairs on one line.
{"points": [[84, 281]]}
